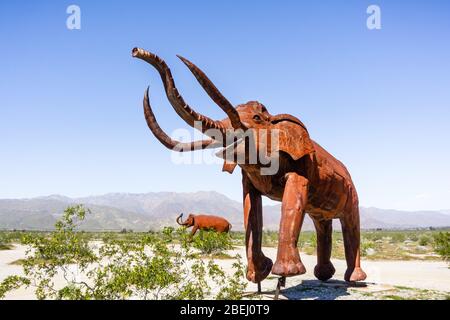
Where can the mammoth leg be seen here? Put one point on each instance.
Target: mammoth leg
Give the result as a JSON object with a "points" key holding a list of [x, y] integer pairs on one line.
{"points": [[351, 234], [259, 266], [324, 269], [292, 214], [194, 230]]}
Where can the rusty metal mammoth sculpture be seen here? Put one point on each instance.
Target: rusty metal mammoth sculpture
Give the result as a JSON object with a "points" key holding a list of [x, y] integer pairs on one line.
{"points": [[204, 222], [308, 180]]}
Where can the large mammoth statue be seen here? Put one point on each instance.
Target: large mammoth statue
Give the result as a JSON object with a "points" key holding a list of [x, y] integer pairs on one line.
{"points": [[204, 222], [308, 179]]}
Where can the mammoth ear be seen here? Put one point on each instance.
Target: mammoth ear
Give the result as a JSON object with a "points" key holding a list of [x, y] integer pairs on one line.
{"points": [[293, 138]]}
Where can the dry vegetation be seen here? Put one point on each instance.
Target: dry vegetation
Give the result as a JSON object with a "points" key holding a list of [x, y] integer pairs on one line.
{"points": [[376, 245], [124, 277], [429, 245]]}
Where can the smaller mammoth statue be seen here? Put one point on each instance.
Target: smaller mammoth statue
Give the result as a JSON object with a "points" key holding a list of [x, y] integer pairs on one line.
{"points": [[204, 222]]}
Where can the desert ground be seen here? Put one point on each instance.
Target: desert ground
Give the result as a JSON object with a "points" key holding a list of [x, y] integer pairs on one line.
{"points": [[395, 280], [386, 279]]}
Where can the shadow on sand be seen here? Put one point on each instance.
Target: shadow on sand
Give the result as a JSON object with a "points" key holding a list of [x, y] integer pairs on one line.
{"points": [[318, 290], [312, 290]]}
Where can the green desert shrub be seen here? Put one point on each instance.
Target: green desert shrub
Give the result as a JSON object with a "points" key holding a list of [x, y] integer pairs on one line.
{"points": [[366, 246], [425, 240], [397, 236], [149, 267], [313, 240], [441, 244], [373, 236], [211, 242], [237, 238], [7, 238], [415, 237], [4, 243], [269, 238]]}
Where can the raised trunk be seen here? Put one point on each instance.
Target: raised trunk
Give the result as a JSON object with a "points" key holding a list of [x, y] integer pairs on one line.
{"points": [[179, 219]]}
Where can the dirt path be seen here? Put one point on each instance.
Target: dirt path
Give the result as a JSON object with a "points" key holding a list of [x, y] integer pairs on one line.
{"points": [[395, 279]]}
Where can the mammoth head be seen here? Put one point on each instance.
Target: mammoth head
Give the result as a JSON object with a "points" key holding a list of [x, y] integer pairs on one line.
{"points": [[267, 134], [252, 117], [189, 222]]}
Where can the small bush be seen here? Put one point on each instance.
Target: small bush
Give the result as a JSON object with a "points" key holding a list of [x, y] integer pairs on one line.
{"points": [[211, 242], [313, 240], [424, 240], [373, 236], [365, 246], [442, 244], [397, 237], [7, 238], [269, 238]]}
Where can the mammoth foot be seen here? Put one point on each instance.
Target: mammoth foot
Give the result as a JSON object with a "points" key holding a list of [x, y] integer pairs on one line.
{"points": [[259, 270], [288, 268], [324, 272], [355, 275]]}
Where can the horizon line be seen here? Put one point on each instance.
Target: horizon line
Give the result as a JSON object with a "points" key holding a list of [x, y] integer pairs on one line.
{"points": [[274, 203]]}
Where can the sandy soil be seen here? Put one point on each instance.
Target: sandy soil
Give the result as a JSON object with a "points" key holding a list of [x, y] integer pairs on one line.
{"points": [[383, 276], [387, 277]]}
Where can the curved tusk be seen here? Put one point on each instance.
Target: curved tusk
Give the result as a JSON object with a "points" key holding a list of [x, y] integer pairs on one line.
{"points": [[166, 140], [215, 94], [175, 99]]}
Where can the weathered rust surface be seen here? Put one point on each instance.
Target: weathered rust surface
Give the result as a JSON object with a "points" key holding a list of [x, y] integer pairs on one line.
{"points": [[205, 222], [309, 180]]}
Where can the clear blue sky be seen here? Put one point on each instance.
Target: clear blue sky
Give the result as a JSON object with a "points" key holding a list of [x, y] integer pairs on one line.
{"points": [[71, 117]]}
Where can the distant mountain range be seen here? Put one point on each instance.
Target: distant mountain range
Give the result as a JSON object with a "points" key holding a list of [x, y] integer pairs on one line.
{"points": [[152, 211]]}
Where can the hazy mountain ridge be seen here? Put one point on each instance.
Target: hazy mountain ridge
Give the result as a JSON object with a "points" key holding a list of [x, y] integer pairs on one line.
{"points": [[152, 211]]}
